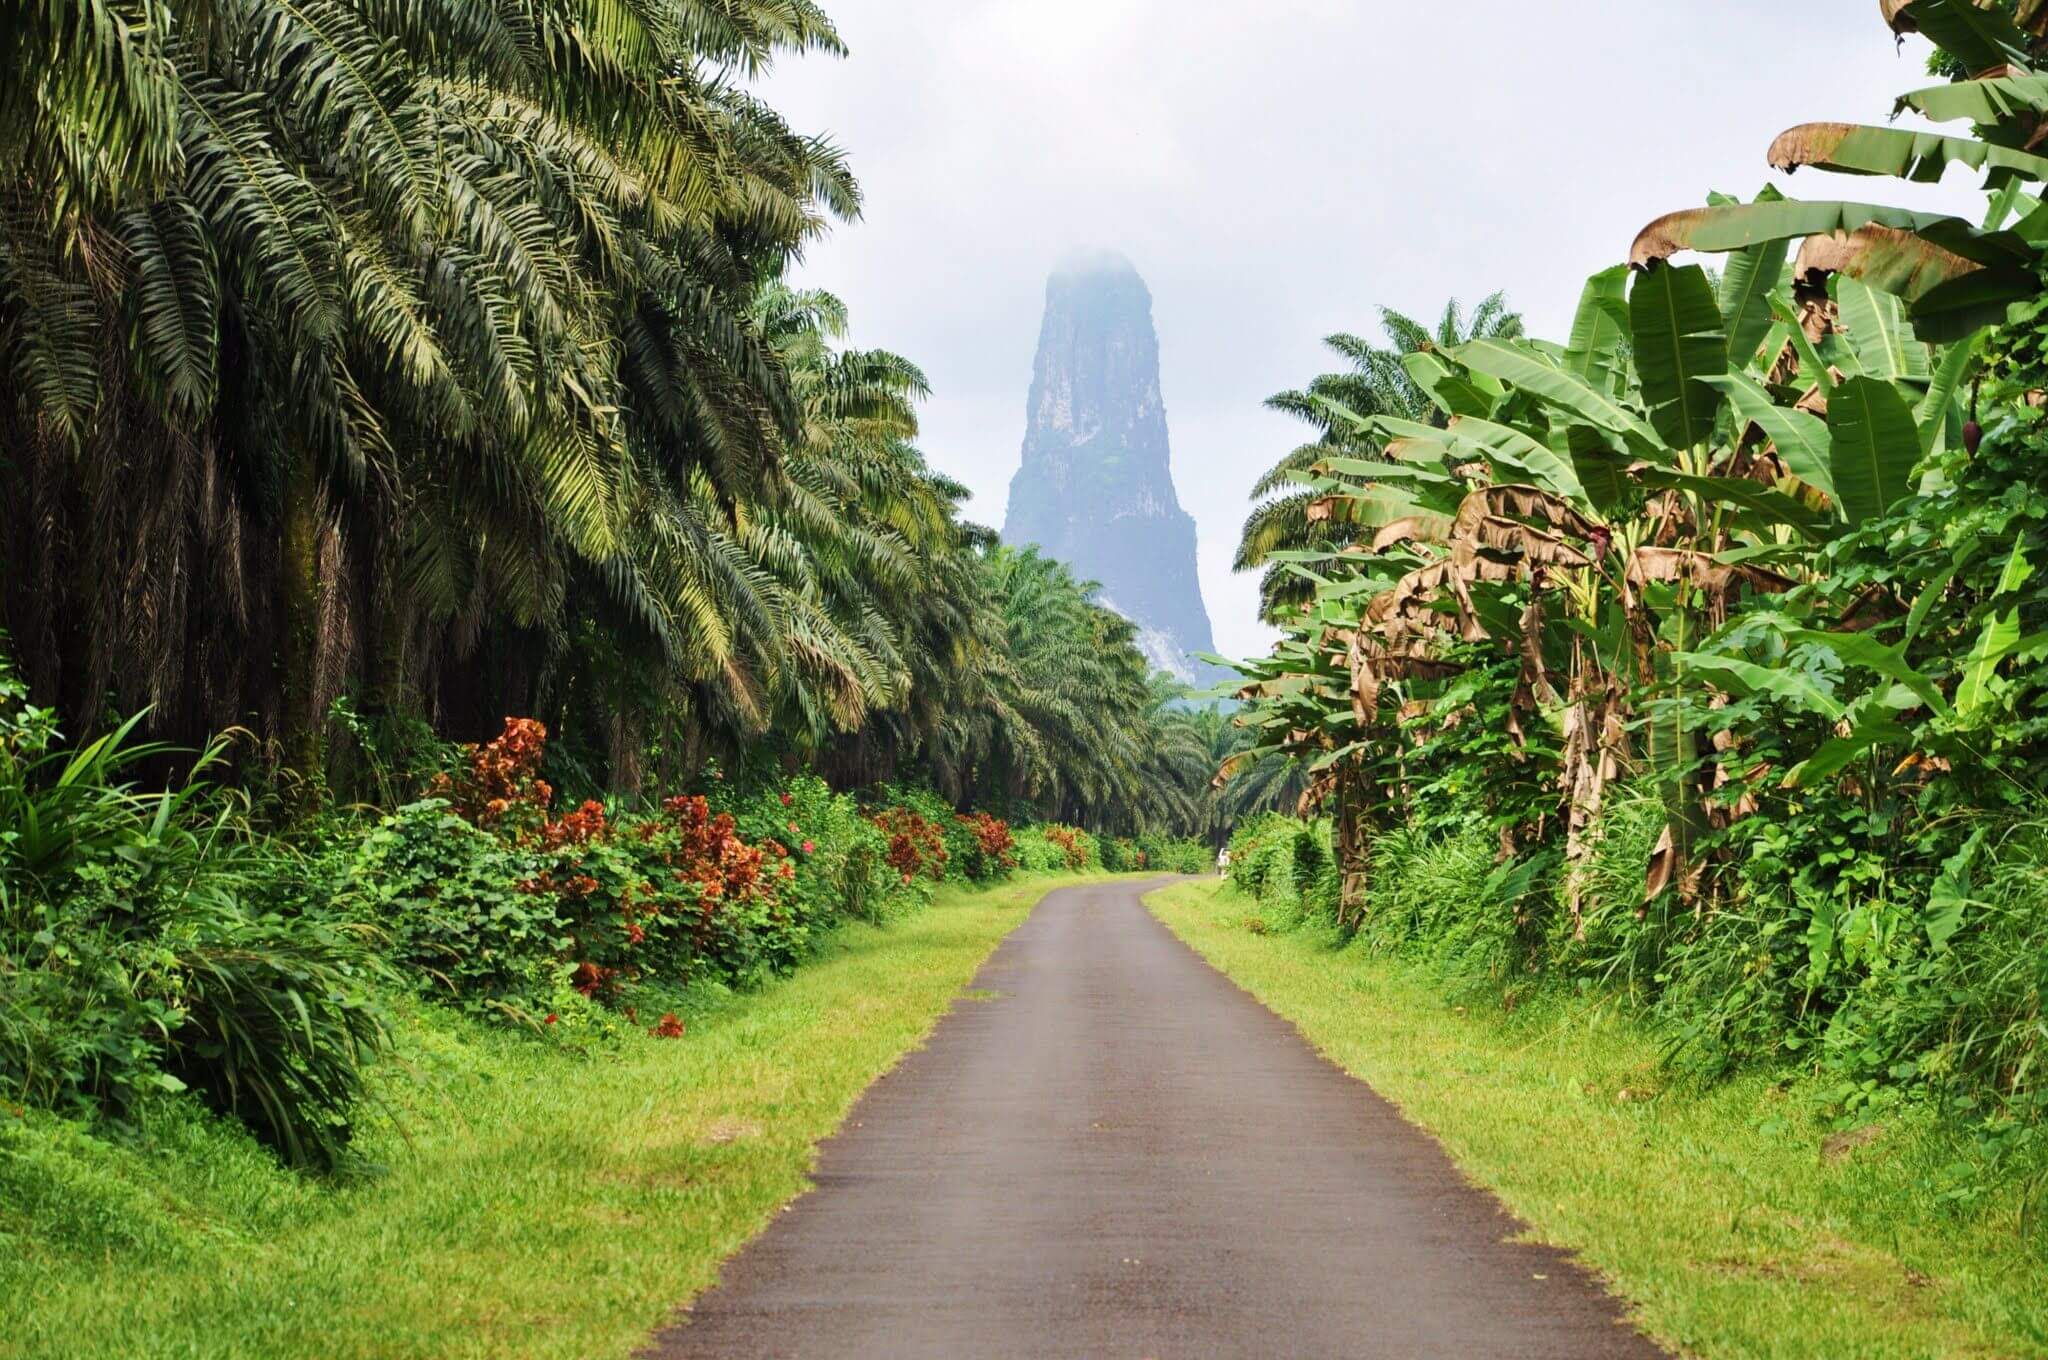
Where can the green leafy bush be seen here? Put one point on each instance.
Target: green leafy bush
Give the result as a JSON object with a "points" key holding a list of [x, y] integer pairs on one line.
{"points": [[1449, 900], [278, 1019], [1171, 856], [1055, 849], [1807, 961], [138, 956], [448, 897], [1162, 854], [1282, 860], [1037, 855], [837, 856]]}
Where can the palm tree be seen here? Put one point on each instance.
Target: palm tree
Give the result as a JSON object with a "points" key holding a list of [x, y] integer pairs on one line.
{"points": [[348, 332], [1064, 714], [1269, 782], [1377, 383]]}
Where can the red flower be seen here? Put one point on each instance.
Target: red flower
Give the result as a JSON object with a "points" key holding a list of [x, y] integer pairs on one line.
{"points": [[808, 847], [786, 800], [669, 1028], [551, 1017], [788, 869]]}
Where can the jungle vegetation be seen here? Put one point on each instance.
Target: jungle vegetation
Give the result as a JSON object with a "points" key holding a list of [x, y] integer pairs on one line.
{"points": [[1698, 653]]}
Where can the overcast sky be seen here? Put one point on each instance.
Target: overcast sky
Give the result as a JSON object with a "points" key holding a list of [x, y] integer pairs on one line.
{"points": [[1278, 170]]}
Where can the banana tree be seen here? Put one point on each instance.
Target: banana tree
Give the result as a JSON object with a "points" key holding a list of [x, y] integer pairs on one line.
{"points": [[1953, 276], [1602, 506]]}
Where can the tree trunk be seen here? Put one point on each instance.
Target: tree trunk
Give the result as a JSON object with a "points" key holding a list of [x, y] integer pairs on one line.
{"points": [[302, 596], [628, 742], [391, 688], [1353, 844]]}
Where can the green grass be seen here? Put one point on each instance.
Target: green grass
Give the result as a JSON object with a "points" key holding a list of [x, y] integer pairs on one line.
{"points": [[1714, 1213], [514, 1201]]}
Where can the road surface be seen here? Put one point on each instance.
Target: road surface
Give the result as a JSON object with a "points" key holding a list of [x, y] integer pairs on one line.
{"points": [[1109, 1150]]}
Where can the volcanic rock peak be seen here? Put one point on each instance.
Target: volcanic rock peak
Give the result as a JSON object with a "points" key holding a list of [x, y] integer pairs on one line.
{"points": [[1096, 485]]}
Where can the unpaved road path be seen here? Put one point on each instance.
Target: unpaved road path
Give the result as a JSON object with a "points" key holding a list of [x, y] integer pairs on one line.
{"points": [[1110, 1150]]}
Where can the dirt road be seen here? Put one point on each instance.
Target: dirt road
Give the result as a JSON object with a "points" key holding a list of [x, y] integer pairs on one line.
{"points": [[1111, 1151]]}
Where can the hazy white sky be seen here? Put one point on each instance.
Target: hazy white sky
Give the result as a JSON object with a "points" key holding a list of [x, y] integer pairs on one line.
{"points": [[1279, 169]]}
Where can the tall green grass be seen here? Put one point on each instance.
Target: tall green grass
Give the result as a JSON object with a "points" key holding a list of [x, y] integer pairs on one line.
{"points": [[141, 950], [1891, 999]]}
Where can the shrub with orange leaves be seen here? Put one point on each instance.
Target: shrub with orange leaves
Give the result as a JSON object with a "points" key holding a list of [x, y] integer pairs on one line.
{"points": [[498, 785], [581, 827], [993, 844], [1077, 845], [705, 849], [668, 896], [916, 845]]}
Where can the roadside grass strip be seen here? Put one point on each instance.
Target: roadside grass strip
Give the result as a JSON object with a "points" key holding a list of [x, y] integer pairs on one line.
{"points": [[1735, 1221], [514, 1200]]}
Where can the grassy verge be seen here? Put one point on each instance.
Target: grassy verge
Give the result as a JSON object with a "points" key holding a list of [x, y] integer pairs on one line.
{"points": [[517, 1201], [1718, 1214]]}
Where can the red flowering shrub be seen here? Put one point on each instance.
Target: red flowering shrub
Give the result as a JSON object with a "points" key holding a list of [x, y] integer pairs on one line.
{"points": [[916, 845], [1120, 854], [993, 844]]}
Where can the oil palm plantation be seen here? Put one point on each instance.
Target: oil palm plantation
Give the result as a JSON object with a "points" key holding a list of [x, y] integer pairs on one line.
{"points": [[345, 337], [1041, 702]]}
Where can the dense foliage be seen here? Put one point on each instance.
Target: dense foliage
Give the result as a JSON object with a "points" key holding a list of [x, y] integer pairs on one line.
{"points": [[151, 942], [1701, 654], [155, 942], [375, 371]]}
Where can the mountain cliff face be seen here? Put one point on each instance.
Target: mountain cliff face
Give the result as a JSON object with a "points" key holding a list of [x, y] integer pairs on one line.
{"points": [[1096, 487]]}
